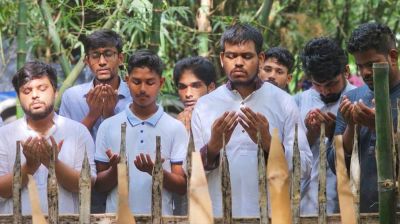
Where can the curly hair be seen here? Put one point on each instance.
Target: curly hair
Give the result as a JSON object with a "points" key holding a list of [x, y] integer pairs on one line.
{"points": [[371, 36], [282, 55], [323, 59]]}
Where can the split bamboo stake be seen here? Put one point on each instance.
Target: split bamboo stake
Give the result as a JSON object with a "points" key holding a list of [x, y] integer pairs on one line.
{"points": [[189, 165], [17, 186], [52, 187], [84, 191], [157, 186], [355, 175], [37, 215], [278, 182], [200, 210], [296, 178], [383, 123], [262, 183], [322, 217], [398, 149], [124, 214], [346, 200], [226, 186]]}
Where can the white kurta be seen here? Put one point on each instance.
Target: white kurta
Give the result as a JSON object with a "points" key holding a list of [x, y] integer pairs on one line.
{"points": [[307, 101], [141, 138], [76, 139], [281, 112]]}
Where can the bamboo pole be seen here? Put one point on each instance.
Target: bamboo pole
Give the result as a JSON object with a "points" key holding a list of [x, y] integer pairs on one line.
{"points": [[17, 186], [278, 182], [199, 198], [189, 165], [204, 26], [73, 75], [262, 183], [52, 187], [124, 214], [84, 191], [154, 44], [225, 186], [56, 40], [37, 215], [383, 123], [346, 200], [296, 178], [157, 186], [22, 46], [355, 175], [322, 217]]}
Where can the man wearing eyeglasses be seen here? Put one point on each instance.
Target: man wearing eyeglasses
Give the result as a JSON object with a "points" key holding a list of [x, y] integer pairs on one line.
{"points": [[107, 94], [193, 77]]}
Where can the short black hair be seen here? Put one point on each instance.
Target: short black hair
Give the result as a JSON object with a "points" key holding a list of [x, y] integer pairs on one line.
{"points": [[282, 55], [323, 59], [240, 33], [145, 58], [201, 67], [371, 36], [34, 70], [102, 38]]}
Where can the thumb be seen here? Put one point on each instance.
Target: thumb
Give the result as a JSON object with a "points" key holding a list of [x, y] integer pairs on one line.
{"points": [[109, 153]]}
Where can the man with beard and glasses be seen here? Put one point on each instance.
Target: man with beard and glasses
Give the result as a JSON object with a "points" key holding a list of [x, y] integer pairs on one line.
{"points": [[369, 43], [325, 63], [39, 130], [277, 67], [107, 94], [145, 120], [238, 109]]}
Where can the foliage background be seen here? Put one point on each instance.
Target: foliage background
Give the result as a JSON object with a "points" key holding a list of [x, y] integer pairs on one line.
{"points": [[287, 23]]}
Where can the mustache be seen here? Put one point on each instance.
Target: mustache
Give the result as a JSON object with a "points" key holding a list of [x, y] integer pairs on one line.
{"points": [[142, 95], [36, 102]]}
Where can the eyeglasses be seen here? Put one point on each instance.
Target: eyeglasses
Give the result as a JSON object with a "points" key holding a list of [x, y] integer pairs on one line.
{"points": [[107, 54]]}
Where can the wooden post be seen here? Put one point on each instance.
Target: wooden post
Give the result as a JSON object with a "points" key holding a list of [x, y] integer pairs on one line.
{"points": [[52, 188], [124, 214], [17, 185], [84, 191], [262, 183], [157, 186], [322, 218], [226, 186], [37, 215], [355, 175], [296, 178], [383, 123], [189, 165]]}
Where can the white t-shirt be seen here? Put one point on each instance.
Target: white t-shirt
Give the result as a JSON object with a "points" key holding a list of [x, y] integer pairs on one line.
{"points": [[141, 138], [281, 112], [76, 139], [307, 101]]}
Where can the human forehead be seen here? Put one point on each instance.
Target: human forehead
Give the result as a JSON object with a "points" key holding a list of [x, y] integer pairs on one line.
{"points": [[327, 82], [368, 56], [242, 47], [273, 62], [37, 81], [143, 73], [189, 77], [102, 49]]}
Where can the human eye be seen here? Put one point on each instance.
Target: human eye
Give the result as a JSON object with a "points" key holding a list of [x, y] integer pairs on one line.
{"points": [[26, 91], [150, 82], [181, 86], [43, 88], [136, 81], [248, 56], [197, 85], [94, 55], [230, 55], [108, 53]]}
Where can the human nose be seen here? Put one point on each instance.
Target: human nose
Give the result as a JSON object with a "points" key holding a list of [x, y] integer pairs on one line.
{"points": [[239, 61], [102, 59], [189, 92]]}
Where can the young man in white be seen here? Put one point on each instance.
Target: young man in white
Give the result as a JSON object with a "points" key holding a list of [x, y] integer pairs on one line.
{"points": [[40, 128], [325, 63], [239, 108], [145, 120]]}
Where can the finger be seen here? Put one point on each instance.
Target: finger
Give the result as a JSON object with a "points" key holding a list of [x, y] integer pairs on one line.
{"points": [[252, 117], [143, 159], [109, 153], [138, 161], [149, 161]]}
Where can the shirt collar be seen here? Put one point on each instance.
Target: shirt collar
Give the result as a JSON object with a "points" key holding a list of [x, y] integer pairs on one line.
{"points": [[257, 81], [153, 120], [49, 133]]}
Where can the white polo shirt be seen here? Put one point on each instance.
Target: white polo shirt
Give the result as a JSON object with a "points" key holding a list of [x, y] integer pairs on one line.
{"points": [[281, 112], [306, 101], [76, 139], [74, 106], [141, 138]]}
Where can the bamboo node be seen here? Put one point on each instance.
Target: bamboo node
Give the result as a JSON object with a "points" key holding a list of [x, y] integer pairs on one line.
{"points": [[387, 184]]}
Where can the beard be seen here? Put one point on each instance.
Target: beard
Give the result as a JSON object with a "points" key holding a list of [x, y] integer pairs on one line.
{"points": [[331, 98], [39, 115]]}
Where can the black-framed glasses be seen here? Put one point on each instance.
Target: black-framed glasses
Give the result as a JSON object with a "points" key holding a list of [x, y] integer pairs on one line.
{"points": [[107, 54]]}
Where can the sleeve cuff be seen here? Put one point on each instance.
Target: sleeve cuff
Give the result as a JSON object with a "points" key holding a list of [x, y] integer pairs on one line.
{"points": [[204, 157]]}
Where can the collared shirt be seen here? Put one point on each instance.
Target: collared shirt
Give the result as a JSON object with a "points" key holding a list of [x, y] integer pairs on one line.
{"points": [[306, 101], [141, 138], [366, 143], [76, 139], [281, 112], [74, 106]]}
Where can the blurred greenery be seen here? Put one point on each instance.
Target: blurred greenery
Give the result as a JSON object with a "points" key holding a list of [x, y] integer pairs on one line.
{"points": [[289, 23]]}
